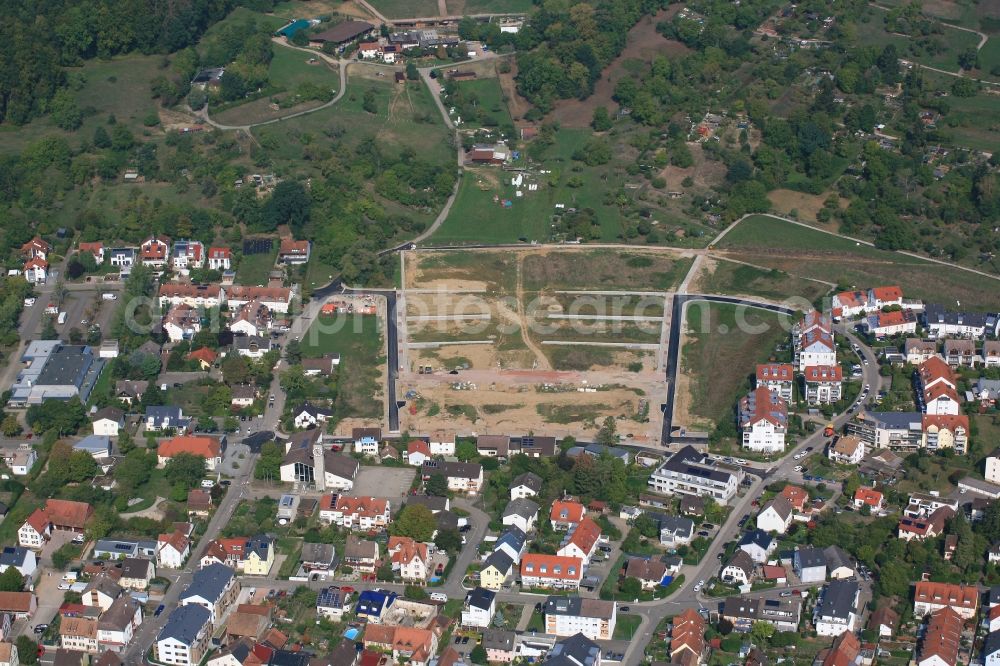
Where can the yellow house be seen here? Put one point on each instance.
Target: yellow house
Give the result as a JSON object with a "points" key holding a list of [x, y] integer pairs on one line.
{"points": [[497, 567], [258, 556]]}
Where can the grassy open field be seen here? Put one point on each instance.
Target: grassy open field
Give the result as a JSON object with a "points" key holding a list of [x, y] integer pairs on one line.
{"points": [[873, 33], [479, 214], [238, 16], [254, 268], [405, 8], [406, 117], [289, 69], [358, 340], [804, 252], [726, 277], [604, 270], [489, 6], [717, 357], [490, 96], [118, 87], [971, 121]]}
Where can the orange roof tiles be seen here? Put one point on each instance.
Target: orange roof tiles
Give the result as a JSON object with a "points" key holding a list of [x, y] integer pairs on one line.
{"points": [[943, 635], [585, 535], [796, 496], [361, 506], [775, 372], [197, 445], [868, 496], [566, 512], [824, 373], [948, 594], [886, 294], [539, 565], [951, 422], [66, 513]]}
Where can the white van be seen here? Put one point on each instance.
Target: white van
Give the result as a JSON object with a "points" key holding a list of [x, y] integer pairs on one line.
{"points": [[28, 302], [439, 596], [62, 318], [109, 296]]}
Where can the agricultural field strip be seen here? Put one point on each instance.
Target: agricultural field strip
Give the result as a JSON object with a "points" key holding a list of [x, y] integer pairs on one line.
{"points": [[433, 345]]}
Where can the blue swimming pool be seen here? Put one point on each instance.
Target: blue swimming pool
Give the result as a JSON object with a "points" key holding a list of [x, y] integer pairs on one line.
{"points": [[351, 633]]}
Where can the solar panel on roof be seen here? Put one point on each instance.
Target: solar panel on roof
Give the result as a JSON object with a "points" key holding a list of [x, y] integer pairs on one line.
{"points": [[772, 602], [123, 546]]}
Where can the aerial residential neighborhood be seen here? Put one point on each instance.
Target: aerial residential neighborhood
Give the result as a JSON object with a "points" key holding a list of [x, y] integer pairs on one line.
{"points": [[584, 333]]}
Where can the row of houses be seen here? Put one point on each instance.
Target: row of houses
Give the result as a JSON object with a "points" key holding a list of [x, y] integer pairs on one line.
{"points": [[955, 352]]}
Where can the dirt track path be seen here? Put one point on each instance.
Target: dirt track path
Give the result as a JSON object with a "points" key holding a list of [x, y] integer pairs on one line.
{"points": [[541, 360]]}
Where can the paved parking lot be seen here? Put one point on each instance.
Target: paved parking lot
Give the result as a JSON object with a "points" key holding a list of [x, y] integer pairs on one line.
{"points": [[391, 482]]}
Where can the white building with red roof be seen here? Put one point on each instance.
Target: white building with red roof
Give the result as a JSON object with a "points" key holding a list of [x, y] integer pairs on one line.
{"points": [[36, 270], [945, 431], [172, 549], [277, 299], [824, 384], [815, 347], [154, 251], [362, 513], [35, 531], [96, 250], [411, 558], [763, 417], [293, 251], [582, 541], [417, 451], [853, 303], [896, 322], [220, 258], [551, 571], [566, 514], [36, 248], [776, 377], [187, 254]]}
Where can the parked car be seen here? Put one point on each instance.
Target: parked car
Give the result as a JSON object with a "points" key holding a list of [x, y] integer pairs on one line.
{"points": [[159, 610]]}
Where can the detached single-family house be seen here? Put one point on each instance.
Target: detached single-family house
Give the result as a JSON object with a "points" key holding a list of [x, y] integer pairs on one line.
{"points": [[522, 513], [775, 516], [108, 421], [480, 607], [525, 486], [739, 570], [566, 514], [809, 564]]}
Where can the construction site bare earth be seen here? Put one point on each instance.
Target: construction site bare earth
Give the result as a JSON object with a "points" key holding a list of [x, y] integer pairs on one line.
{"points": [[541, 340]]}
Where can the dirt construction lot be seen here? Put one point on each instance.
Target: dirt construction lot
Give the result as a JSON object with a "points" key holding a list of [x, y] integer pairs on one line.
{"points": [[476, 332]]}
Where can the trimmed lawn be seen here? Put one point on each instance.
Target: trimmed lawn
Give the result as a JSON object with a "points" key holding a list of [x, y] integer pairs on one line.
{"points": [[406, 8], [358, 340], [254, 268], [490, 98], [626, 626], [718, 356], [490, 6], [804, 252]]}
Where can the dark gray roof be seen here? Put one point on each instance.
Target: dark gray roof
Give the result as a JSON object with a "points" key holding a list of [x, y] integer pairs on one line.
{"points": [[103, 584], [992, 643], [67, 364], [836, 558], [756, 537], [480, 598], [937, 314], [524, 508], [209, 583], [691, 462], [577, 650], [432, 502], [512, 536], [500, 560], [259, 544], [499, 639], [317, 552], [896, 419], [578, 607], [13, 556], [134, 567], [461, 470], [838, 601], [675, 524], [345, 654], [742, 560], [184, 623], [810, 557], [313, 410], [528, 480]]}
